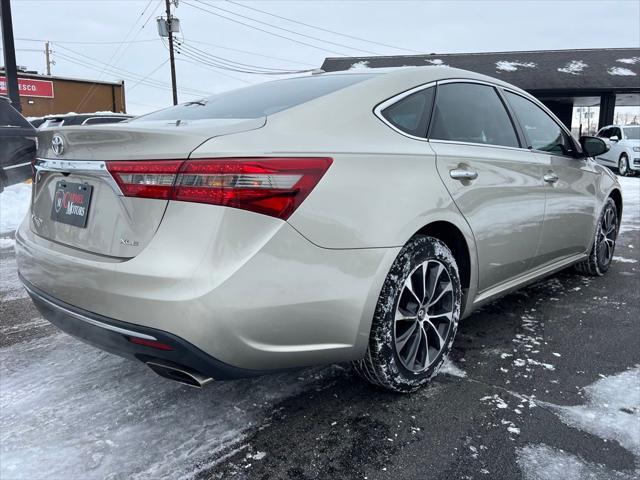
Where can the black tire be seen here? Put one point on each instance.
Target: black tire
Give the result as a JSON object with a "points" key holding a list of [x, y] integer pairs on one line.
{"points": [[623, 166], [381, 365], [600, 256]]}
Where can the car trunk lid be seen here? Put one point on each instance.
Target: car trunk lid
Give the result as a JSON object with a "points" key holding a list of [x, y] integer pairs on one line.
{"points": [[76, 201]]}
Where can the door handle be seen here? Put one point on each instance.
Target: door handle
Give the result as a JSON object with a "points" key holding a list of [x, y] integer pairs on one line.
{"points": [[550, 177], [459, 174]]}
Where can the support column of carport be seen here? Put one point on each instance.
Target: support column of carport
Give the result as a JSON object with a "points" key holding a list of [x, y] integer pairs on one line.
{"points": [[607, 109]]}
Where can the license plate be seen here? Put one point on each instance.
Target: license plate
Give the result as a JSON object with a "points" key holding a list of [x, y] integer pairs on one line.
{"points": [[71, 203]]}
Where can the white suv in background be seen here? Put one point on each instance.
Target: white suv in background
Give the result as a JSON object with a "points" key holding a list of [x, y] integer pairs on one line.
{"points": [[625, 148]]}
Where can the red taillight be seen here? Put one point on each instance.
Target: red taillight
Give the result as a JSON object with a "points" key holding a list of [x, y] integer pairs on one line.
{"points": [[147, 179], [150, 343], [271, 186]]}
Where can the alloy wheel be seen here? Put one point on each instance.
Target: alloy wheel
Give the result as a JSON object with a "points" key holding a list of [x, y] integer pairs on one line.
{"points": [[424, 316], [607, 236], [623, 167]]}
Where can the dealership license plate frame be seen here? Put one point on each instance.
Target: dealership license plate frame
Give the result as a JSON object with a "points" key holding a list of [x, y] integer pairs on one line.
{"points": [[72, 191]]}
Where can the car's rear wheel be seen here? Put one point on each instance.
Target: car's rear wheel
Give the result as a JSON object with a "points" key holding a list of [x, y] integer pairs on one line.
{"points": [[604, 243], [623, 165], [416, 317]]}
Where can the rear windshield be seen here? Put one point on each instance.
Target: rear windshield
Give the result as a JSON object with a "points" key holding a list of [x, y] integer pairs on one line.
{"points": [[258, 100]]}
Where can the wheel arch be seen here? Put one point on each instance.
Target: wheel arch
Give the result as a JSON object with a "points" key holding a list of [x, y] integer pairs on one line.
{"points": [[616, 195], [453, 237]]}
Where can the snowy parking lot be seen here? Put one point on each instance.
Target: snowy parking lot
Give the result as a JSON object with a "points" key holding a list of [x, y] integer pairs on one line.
{"points": [[542, 384]]}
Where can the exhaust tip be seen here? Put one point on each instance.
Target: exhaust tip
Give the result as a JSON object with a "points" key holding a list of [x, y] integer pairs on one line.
{"points": [[180, 374]]}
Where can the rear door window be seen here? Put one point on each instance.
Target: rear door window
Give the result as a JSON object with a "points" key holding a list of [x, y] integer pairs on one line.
{"points": [[471, 113], [412, 113], [542, 131]]}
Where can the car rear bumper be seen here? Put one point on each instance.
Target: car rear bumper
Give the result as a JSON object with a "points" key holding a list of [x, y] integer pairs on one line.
{"points": [[115, 336], [245, 289]]}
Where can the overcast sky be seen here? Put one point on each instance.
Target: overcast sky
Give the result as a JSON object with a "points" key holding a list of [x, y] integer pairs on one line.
{"points": [[411, 26]]}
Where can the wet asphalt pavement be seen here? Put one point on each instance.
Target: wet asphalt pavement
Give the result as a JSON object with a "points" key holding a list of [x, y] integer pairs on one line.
{"points": [[494, 414]]}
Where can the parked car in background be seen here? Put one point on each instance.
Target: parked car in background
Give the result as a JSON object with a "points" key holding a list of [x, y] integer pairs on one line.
{"points": [[17, 145], [335, 217], [625, 148], [79, 119]]}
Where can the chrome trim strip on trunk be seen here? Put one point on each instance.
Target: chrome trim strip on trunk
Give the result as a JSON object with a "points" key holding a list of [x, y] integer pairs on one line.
{"points": [[95, 168], [86, 319]]}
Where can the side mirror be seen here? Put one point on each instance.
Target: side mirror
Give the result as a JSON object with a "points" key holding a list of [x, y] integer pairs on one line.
{"points": [[614, 138], [594, 146]]}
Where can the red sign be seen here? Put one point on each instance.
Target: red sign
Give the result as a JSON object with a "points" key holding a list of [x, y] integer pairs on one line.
{"points": [[29, 87]]}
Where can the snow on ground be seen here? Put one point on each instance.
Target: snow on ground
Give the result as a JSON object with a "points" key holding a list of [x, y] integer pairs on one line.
{"points": [[612, 412], [10, 286], [540, 462], [452, 369], [631, 206], [93, 415], [14, 203]]}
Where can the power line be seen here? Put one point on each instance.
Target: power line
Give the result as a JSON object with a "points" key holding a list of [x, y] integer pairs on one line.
{"points": [[353, 37], [286, 29], [263, 30], [236, 64], [97, 65], [151, 85], [115, 53], [199, 42], [67, 42], [227, 65], [148, 75]]}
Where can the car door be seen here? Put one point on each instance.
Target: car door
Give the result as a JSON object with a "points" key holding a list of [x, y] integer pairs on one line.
{"points": [[570, 206], [17, 146], [617, 146], [607, 158], [495, 182]]}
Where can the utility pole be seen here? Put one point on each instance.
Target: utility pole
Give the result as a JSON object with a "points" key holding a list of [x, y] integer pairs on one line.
{"points": [[172, 59], [11, 70], [47, 54]]}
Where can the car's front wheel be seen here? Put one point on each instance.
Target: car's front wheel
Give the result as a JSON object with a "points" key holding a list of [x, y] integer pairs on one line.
{"points": [[416, 317], [623, 165], [604, 243]]}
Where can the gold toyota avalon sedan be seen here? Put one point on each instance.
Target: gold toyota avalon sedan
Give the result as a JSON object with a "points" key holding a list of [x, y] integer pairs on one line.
{"points": [[336, 217]]}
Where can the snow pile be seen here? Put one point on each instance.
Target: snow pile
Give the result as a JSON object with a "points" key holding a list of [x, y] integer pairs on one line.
{"points": [[540, 462], [574, 67], [631, 210], [14, 204], [68, 410], [630, 61], [612, 410], [10, 286], [364, 64], [507, 66], [452, 369], [625, 72]]}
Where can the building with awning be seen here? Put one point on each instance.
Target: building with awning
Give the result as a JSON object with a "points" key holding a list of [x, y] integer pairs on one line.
{"points": [[561, 79], [42, 95]]}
